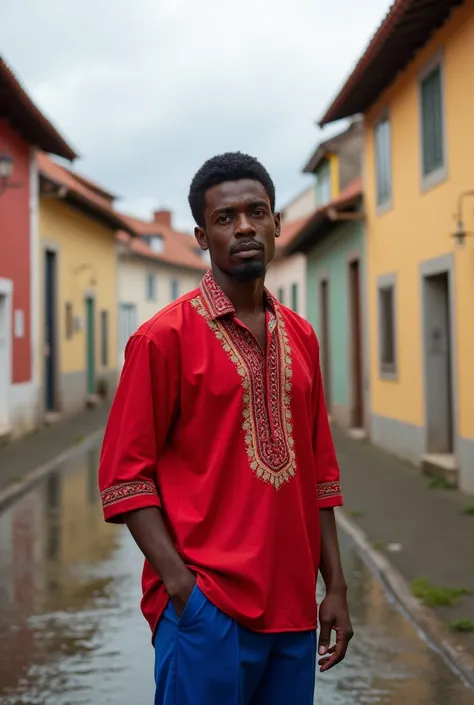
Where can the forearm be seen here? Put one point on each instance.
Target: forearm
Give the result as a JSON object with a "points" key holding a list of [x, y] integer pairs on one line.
{"points": [[330, 563], [151, 535]]}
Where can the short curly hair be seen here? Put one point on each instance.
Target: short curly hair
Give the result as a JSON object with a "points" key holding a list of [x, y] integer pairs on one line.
{"points": [[231, 166]]}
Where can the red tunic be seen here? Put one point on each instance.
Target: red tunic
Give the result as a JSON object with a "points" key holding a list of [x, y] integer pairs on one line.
{"points": [[234, 446]]}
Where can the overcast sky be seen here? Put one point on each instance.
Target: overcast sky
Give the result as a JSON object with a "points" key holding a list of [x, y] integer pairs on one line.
{"points": [[146, 90]]}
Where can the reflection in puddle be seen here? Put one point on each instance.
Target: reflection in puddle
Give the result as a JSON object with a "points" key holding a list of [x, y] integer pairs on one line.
{"points": [[72, 634]]}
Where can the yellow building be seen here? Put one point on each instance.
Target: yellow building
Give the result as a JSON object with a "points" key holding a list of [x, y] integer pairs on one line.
{"points": [[414, 87], [78, 273]]}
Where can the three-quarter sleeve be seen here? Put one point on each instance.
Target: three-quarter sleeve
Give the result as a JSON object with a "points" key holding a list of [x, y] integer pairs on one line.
{"points": [[327, 467], [137, 428]]}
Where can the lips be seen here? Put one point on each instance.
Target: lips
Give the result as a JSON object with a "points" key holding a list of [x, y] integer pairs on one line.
{"points": [[247, 247]]}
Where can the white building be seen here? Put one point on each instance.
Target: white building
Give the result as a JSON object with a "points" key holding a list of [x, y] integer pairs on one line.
{"points": [[154, 269]]}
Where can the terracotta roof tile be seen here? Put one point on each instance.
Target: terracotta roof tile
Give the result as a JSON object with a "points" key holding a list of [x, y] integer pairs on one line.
{"points": [[180, 249], [346, 198], [17, 107], [76, 188], [406, 28]]}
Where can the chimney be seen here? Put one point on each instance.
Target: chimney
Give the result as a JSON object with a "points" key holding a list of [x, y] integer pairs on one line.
{"points": [[163, 217]]}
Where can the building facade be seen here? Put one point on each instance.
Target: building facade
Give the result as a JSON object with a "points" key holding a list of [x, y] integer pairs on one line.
{"points": [[413, 86], [155, 268], [332, 241], [79, 285], [22, 129], [286, 275]]}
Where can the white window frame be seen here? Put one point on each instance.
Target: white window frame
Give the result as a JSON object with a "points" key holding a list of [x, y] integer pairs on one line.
{"points": [[436, 177]]}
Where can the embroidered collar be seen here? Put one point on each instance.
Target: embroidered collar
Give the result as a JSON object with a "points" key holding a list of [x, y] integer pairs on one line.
{"points": [[218, 304]]}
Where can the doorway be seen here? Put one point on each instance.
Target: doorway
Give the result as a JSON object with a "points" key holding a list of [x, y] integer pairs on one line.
{"points": [[355, 346], [50, 351], [5, 353], [90, 345], [325, 343], [438, 364]]}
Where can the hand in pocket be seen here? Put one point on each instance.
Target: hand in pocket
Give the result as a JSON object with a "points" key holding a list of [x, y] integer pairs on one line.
{"points": [[181, 596]]}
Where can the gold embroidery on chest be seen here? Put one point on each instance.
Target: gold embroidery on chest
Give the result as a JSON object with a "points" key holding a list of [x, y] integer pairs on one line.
{"points": [[266, 409]]}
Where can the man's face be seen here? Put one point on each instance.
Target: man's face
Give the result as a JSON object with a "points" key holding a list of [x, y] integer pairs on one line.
{"points": [[240, 228]]}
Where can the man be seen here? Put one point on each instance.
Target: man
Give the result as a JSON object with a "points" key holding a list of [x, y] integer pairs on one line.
{"points": [[218, 456]]}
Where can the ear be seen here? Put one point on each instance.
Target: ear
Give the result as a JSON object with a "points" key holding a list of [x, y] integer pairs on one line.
{"points": [[277, 220], [201, 237]]}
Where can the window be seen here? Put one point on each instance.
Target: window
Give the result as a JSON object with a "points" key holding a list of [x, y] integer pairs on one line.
{"points": [[151, 286], [104, 338], [128, 323], [294, 297], [69, 320], [387, 327], [157, 244], [174, 286], [323, 184], [432, 127], [281, 295], [383, 162]]}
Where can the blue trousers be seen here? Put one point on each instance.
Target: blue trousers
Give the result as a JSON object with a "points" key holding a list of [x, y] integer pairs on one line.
{"points": [[206, 658]]}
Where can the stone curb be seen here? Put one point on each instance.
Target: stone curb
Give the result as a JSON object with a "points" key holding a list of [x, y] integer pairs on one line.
{"points": [[427, 622], [10, 493]]}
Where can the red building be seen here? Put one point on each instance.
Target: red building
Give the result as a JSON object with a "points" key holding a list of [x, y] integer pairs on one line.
{"points": [[23, 128]]}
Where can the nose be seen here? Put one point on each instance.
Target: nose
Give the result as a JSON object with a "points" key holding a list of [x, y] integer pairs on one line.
{"points": [[244, 226]]}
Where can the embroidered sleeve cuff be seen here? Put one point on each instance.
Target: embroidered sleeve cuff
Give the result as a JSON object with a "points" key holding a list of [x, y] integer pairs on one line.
{"points": [[127, 497], [329, 494]]}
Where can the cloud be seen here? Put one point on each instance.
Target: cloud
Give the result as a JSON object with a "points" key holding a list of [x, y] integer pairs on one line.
{"points": [[146, 90]]}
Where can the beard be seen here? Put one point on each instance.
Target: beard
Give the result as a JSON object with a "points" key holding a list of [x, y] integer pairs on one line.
{"points": [[249, 271]]}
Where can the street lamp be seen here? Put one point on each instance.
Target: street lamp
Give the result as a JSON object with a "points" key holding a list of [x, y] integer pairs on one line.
{"points": [[461, 233]]}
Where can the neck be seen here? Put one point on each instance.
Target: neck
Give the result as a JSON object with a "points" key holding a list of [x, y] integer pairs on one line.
{"points": [[247, 297]]}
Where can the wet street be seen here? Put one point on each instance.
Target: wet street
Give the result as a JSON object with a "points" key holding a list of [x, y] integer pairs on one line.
{"points": [[71, 632]]}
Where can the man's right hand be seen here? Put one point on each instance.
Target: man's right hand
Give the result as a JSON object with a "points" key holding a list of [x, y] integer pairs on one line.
{"points": [[181, 591]]}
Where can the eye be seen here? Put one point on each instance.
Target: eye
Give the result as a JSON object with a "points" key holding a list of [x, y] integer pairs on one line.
{"points": [[258, 212], [223, 218]]}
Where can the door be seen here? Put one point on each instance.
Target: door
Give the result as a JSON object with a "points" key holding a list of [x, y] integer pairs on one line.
{"points": [[90, 345], [50, 330], [325, 343], [438, 364], [5, 353], [357, 374]]}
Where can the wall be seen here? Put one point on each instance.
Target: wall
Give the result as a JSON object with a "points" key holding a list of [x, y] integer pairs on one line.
{"points": [[330, 260], [302, 205], [282, 273], [350, 156], [87, 264], [417, 229], [132, 285], [15, 246], [18, 266]]}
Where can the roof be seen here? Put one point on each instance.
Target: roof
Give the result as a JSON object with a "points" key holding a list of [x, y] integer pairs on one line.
{"points": [[79, 194], [179, 248], [406, 28], [288, 232], [329, 146], [99, 190], [19, 110], [320, 221]]}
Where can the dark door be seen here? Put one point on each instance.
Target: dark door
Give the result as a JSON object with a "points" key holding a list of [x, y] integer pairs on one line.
{"points": [[90, 345], [438, 365], [325, 343], [357, 420], [50, 329]]}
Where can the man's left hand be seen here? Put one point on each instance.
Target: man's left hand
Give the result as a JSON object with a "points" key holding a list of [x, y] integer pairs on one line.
{"points": [[334, 616]]}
